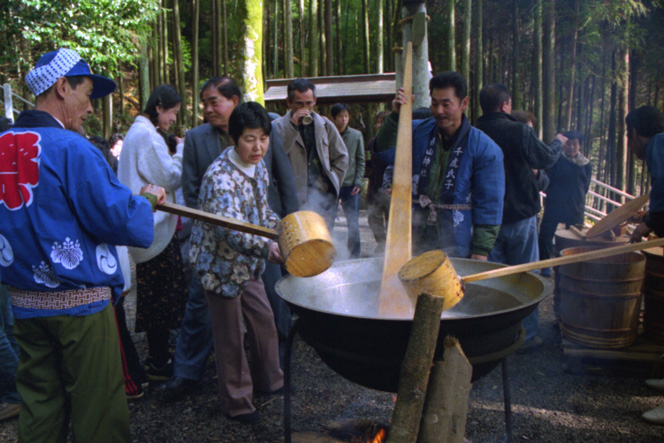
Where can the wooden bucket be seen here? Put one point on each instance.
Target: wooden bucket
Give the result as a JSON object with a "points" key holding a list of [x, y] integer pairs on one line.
{"points": [[305, 243], [653, 294], [600, 300], [432, 273]]}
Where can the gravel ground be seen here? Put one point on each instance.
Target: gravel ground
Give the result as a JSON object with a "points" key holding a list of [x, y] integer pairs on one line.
{"points": [[548, 404]]}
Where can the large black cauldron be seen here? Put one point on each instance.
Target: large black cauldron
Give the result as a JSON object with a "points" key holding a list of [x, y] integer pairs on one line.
{"points": [[339, 318]]}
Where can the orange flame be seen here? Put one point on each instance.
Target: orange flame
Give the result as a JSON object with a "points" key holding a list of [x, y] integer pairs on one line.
{"points": [[380, 436]]}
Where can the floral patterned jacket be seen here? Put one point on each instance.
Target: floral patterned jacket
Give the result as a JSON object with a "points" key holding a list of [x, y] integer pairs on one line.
{"points": [[224, 259]]}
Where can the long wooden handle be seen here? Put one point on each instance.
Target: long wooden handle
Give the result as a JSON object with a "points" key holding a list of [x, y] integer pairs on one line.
{"points": [[399, 243], [217, 220], [585, 256]]}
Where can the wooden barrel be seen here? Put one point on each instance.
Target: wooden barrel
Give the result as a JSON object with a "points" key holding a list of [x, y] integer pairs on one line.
{"points": [[568, 238], [653, 295], [600, 300]]}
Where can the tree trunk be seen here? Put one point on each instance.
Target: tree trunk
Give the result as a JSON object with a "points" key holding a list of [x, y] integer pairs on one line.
{"points": [[313, 38], [303, 45], [250, 54], [380, 12], [224, 34], [177, 52], [465, 40], [478, 60], [572, 63], [621, 135], [329, 47], [537, 66], [321, 35], [275, 38], [288, 53], [450, 59], [365, 35], [216, 39], [548, 71], [165, 59], [144, 72], [196, 14], [516, 54], [338, 49], [108, 115], [416, 31]]}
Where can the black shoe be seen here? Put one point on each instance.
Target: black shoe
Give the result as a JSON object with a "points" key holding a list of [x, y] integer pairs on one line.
{"points": [[177, 388], [162, 373], [252, 417]]}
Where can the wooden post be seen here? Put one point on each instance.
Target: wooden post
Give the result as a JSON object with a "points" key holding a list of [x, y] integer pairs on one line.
{"points": [[415, 370], [446, 404]]}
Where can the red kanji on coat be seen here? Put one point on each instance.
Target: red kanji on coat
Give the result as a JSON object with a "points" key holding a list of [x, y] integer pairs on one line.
{"points": [[19, 168]]}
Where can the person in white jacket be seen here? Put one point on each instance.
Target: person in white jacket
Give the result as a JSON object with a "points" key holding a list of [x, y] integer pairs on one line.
{"points": [[160, 285]]}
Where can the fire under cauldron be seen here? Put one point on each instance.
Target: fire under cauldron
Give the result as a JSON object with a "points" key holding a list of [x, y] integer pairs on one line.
{"points": [[338, 315]]}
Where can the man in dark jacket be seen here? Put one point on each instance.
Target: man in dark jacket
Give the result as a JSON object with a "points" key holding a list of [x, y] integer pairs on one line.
{"points": [[523, 152]]}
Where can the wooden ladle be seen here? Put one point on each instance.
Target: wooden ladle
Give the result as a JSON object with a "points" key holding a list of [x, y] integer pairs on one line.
{"points": [[303, 237], [432, 272]]}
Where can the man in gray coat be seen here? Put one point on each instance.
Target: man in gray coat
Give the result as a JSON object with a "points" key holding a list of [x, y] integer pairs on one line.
{"points": [[203, 144], [316, 151]]}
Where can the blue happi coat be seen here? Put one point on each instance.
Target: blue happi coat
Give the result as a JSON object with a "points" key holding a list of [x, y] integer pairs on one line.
{"points": [[62, 210], [480, 183]]}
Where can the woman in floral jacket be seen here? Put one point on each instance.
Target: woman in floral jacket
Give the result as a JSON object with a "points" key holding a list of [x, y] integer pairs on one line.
{"points": [[229, 265]]}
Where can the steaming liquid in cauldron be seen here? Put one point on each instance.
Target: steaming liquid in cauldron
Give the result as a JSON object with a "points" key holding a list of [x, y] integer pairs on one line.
{"points": [[361, 299]]}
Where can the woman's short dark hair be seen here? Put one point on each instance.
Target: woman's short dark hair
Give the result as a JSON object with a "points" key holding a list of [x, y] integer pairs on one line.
{"points": [[163, 95], [448, 79], [248, 115], [337, 108]]}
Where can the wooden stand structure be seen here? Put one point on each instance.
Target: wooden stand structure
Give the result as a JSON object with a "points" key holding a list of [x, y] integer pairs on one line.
{"points": [[642, 358]]}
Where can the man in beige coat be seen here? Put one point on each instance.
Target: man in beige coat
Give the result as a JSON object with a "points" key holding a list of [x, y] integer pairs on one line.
{"points": [[316, 151]]}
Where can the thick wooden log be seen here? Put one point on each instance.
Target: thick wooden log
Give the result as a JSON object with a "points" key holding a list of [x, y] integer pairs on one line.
{"points": [[446, 404], [415, 370]]}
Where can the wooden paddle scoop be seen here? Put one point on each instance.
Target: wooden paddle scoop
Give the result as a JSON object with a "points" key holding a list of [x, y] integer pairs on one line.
{"points": [[433, 274], [305, 242]]}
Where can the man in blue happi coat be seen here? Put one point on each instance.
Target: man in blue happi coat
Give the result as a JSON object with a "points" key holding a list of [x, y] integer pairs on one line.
{"points": [[458, 174]]}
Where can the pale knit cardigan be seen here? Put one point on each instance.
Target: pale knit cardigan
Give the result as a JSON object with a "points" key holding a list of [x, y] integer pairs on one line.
{"points": [[145, 160]]}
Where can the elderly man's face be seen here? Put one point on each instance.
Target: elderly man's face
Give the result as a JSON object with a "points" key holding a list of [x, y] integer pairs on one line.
{"points": [[77, 106], [217, 108]]}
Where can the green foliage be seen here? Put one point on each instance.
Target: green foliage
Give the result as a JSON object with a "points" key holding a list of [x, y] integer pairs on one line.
{"points": [[104, 32]]}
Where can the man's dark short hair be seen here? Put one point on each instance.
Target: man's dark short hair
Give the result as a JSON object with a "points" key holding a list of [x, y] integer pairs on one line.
{"points": [[300, 85], [225, 85], [524, 117], [492, 96], [248, 115], [337, 108], [450, 79], [73, 81], [647, 120], [163, 95], [574, 135]]}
